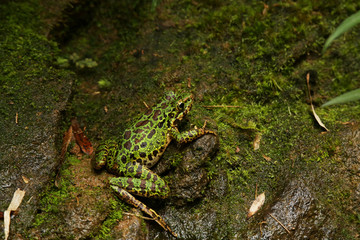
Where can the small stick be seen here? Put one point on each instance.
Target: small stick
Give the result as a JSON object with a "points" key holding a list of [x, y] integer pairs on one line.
{"points": [[16, 118], [256, 191], [219, 106], [260, 224], [280, 223], [147, 106], [132, 214]]}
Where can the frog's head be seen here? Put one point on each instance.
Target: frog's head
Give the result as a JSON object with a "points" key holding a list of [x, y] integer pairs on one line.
{"points": [[181, 104]]}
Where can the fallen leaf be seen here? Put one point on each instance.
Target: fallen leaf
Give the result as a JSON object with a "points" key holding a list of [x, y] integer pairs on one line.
{"points": [[15, 203], [256, 205], [312, 106], [66, 141], [81, 139], [265, 10], [318, 118], [25, 179], [266, 158]]}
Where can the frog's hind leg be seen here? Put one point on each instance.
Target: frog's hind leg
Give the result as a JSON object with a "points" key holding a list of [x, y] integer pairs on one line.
{"points": [[141, 181], [130, 199]]}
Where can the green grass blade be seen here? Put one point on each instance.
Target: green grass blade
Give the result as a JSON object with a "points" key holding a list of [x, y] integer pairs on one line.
{"points": [[346, 97], [343, 27]]}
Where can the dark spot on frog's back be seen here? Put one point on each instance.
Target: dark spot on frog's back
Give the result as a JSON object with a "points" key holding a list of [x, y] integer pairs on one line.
{"points": [[141, 123], [143, 144], [127, 134], [127, 145], [148, 112], [164, 105], [142, 154], [151, 134], [156, 114], [130, 169], [138, 131], [161, 124], [131, 183], [168, 97]]}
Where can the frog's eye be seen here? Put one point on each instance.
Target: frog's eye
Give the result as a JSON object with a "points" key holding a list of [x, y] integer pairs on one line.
{"points": [[181, 106]]}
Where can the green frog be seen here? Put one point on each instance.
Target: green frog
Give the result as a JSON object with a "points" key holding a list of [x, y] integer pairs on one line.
{"points": [[140, 148]]}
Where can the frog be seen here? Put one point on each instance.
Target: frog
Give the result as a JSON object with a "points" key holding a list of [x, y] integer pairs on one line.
{"points": [[141, 146]]}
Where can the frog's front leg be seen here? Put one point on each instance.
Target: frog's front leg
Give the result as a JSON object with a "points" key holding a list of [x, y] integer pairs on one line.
{"points": [[143, 183], [188, 136]]}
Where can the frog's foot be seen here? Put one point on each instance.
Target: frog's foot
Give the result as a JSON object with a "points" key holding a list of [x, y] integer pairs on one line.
{"points": [[207, 131], [130, 199]]}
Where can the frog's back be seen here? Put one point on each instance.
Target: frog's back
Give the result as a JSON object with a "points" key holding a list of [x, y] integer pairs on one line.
{"points": [[148, 137]]}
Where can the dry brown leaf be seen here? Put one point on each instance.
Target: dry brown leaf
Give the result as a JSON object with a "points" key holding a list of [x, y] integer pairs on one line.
{"points": [[81, 139], [66, 141], [25, 179], [15, 203], [256, 205], [266, 157]]}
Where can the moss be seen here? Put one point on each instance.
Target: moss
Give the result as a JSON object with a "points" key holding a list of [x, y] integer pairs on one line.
{"points": [[231, 53], [53, 199], [116, 214]]}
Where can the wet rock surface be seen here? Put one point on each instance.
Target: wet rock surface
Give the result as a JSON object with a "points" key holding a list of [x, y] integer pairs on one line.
{"points": [[189, 184], [33, 95], [301, 207], [301, 214], [191, 175]]}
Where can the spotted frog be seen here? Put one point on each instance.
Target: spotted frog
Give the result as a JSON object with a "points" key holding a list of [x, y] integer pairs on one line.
{"points": [[141, 147]]}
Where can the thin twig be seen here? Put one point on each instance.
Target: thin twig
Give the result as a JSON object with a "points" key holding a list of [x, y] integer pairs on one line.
{"points": [[280, 223], [221, 106], [256, 191], [260, 224], [132, 214]]}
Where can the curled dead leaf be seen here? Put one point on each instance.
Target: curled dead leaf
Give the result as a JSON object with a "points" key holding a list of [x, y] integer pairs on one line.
{"points": [[256, 205], [15, 203], [81, 139]]}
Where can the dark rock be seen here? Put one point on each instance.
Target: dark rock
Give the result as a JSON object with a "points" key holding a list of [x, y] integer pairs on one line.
{"points": [[191, 176], [299, 211]]}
